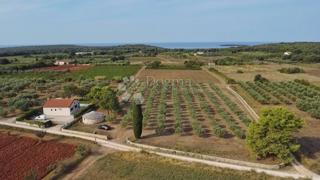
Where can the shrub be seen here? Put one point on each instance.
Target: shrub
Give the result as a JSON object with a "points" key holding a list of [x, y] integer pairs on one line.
{"points": [[3, 113], [259, 78], [272, 135], [29, 114], [231, 81], [154, 64], [82, 150], [291, 70], [193, 64], [219, 131], [111, 117], [4, 61]]}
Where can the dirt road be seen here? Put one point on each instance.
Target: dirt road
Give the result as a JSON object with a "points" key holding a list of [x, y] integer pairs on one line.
{"points": [[82, 167]]}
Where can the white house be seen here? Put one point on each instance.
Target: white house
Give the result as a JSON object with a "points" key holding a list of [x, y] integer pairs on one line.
{"points": [[62, 62], [198, 53], [61, 107]]}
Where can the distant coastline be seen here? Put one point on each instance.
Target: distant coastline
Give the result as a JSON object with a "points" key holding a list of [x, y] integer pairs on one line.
{"points": [[168, 45], [204, 45]]}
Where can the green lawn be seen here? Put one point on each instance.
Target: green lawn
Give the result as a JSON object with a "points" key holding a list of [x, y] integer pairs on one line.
{"points": [[109, 71], [143, 166]]}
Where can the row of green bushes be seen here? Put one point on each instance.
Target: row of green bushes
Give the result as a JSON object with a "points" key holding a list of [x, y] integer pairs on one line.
{"points": [[188, 65], [291, 70]]}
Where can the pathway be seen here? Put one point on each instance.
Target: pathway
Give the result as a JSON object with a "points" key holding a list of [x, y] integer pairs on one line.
{"points": [[82, 167]]}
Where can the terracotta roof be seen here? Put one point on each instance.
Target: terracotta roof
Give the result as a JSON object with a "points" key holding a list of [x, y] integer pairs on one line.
{"points": [[58, 103]]}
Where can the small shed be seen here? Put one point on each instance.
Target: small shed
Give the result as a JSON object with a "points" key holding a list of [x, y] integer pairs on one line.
{"points": [[93, 117]]}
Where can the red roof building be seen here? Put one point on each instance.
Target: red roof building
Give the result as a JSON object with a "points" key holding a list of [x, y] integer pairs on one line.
{"points": [[61, 107], [64, 103]]}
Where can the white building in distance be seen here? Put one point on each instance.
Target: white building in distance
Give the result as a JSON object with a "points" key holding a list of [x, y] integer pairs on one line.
{"points": [[62, 62], [61, 107], [84, 53], [287, 53]]}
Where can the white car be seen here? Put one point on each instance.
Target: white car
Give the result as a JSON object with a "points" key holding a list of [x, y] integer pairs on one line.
{"points": [[41, 117]]}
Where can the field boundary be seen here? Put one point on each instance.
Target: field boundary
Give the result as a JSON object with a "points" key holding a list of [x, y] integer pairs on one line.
{"points": [[253, 114], [204, 157]]}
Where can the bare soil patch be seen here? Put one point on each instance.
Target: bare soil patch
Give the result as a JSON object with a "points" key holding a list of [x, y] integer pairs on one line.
{"points": [[270, 71], [194, 75]]}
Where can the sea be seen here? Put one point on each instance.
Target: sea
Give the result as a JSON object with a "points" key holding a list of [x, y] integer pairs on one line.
{"points": [[203, 45], [173, 45], [186, 45]]}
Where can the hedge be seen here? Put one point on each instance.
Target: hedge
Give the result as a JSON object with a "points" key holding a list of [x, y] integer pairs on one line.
{"points": [[29, 114]]}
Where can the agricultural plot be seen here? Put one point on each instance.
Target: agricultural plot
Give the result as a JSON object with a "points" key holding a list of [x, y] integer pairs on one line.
{"points": [[64, 68], [304, 95], [166, 74], [108, 71], [302, 98], [22, 156], [187, 114], [271, 72], [184, 107]]}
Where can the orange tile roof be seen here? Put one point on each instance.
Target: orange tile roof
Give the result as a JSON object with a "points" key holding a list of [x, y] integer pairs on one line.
{"points": [[58, 103]]}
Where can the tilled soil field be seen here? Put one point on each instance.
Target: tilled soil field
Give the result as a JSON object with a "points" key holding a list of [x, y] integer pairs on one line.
{"points": [[22, 156]]}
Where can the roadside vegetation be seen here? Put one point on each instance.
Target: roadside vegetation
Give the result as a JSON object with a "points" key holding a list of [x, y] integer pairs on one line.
{"points": [[146, 166]]}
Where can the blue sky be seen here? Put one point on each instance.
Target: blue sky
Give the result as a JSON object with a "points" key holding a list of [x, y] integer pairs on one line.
{"points": [[138, 21]]}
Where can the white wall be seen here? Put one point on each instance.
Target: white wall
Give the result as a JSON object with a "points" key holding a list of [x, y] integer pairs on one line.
{"points": [[56, 111]]}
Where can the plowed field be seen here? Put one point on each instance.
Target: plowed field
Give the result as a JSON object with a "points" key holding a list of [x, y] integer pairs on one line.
{"points": [[21, 156]]}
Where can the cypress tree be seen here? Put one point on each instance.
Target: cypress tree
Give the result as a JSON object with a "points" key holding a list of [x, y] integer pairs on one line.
{"points": [[137, 120]]}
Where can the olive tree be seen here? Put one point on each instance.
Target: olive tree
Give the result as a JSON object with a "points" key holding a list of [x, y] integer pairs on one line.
{"points": [[105, 98], [272, 135]]}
